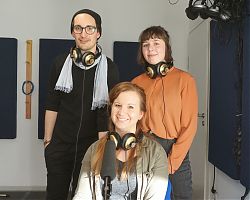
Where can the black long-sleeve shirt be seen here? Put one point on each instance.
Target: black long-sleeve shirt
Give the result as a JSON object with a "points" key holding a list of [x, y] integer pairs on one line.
{"points": [[74, 108]]}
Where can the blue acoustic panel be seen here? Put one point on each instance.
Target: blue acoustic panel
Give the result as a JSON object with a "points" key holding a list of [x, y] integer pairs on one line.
{"points": [[48, 50], [8, 82], [247, 7], [225, 97], [125, 56], [245, 140]]}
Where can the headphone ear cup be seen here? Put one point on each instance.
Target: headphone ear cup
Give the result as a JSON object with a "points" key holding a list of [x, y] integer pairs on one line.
{"points": [[75, 54], [114, 136], [204, 15], [191, 14], [128, 141], [88, 58], [151, 72], [162, 69]]}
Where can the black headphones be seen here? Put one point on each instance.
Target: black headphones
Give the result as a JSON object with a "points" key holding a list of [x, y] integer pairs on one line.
{"points": [[128, 141], [219, 10], [193, 10], [160, 69], [87, 58]]}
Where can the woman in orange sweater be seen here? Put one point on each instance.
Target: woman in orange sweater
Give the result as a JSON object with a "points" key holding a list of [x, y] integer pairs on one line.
{"points": [[172, 106]]}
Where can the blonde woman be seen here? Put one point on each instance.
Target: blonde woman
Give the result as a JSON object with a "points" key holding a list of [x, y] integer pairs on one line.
{"points": [[141, 167]]}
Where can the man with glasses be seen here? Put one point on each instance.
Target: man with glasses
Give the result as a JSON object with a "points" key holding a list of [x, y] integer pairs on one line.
{"points": [[76, 102]]}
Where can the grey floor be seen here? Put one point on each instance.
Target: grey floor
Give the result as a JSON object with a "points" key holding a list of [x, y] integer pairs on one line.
{"points": [[22, 195]]}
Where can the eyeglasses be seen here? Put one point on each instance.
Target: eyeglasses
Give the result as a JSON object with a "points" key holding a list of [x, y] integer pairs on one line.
{"points": [[88, 29]]}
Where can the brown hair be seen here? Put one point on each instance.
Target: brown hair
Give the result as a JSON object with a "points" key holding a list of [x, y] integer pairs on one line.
{"points": [[114, 93], [154, 32]]}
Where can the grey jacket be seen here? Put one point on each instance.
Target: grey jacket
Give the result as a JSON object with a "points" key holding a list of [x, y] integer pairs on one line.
{"points": [[151, 171]]}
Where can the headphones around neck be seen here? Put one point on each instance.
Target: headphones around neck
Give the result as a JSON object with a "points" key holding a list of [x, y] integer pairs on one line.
{"points": [[128, 141], [160, 69], [87, 58]]}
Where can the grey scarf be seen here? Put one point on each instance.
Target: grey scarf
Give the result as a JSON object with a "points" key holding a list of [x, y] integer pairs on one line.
{"points": [[100, 91]]}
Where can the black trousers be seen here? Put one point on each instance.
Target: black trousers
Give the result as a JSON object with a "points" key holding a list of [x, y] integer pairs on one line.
{"points": [[181, 180], [63, 167]]}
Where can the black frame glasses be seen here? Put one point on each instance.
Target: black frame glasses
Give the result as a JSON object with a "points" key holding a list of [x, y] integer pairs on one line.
{"points": [[88, 29]]}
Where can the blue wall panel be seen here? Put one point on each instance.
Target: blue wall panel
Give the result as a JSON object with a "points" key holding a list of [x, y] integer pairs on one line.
{"points": [[229, 120], [224, 97], [48, 50], [125, 56], [245, 141], [8, 82]]}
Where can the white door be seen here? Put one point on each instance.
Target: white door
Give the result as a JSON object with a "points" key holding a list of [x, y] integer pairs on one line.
{"points": [[198, 66]]}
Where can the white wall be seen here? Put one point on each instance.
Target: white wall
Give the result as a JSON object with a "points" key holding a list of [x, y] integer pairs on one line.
{"points": [[21, 160]]}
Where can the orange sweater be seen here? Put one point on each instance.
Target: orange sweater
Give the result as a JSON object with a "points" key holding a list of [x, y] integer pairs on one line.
{"points": [[172, 110]]}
